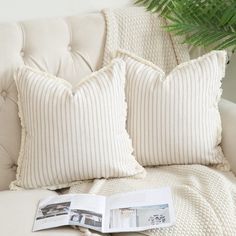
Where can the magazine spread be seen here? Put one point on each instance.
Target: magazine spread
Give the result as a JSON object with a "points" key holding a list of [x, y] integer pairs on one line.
{"points": [[132, 211]]}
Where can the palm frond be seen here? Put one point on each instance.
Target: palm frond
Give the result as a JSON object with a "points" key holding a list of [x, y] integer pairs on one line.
{"points": [[207, 23], [162, 6]]}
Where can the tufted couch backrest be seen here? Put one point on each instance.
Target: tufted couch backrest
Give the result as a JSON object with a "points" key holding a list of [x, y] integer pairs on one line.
{"points": [[69, 47]]}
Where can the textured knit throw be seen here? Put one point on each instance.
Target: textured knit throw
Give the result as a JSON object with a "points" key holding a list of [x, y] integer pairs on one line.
{"points": [[204, 198], [138, 31]]}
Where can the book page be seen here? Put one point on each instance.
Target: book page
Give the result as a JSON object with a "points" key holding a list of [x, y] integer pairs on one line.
{"points": [[84, 210], [88, 211], [139, 210], [53, 212]]}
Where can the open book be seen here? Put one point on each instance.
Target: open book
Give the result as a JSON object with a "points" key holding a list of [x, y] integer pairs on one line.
{"points": [[125, 212]]}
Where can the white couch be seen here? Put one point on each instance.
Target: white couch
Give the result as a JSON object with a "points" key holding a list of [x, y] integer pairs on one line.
{"points": [[69, 47]]}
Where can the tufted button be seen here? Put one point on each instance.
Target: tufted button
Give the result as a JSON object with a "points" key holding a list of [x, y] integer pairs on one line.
{"points": [[4, 94], [22, 53], [69, 48]]}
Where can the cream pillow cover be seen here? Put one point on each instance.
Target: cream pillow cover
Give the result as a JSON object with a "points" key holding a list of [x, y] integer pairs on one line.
{"points": [[174, 118], [71, 134]]}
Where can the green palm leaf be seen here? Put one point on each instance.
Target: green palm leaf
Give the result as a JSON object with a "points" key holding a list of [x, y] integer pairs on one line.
{"points": [[207, 23]]}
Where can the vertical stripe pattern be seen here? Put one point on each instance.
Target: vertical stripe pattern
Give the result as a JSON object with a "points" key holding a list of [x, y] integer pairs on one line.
{"points": [[174, 118], [72, 134]]}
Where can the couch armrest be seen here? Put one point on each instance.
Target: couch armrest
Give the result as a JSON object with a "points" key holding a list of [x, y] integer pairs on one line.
{"points": [[228, 117]]}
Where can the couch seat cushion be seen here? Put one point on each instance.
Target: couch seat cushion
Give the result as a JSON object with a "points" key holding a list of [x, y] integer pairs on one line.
{"points": [[18, 210]]}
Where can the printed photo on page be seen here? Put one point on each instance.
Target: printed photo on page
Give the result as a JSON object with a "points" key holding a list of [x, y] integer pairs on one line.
{"points": [[143, 216], [140, 210], [53, 212], [88, 211]]}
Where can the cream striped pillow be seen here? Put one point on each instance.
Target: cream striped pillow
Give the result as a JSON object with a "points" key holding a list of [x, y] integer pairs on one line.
{"points": [[174, 118], [73, 134]]}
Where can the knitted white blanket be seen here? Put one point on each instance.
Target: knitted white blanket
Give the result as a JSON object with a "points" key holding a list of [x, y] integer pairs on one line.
{"points": [[138, 31], [204, 198]]}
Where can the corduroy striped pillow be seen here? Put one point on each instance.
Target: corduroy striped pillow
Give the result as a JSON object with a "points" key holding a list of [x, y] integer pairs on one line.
{"points": [[174, 118], [71, 134]]}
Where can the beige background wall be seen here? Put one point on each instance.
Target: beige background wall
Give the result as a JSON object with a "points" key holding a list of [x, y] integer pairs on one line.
{"points": [[11, 10], [14, 10], [229, 82]]}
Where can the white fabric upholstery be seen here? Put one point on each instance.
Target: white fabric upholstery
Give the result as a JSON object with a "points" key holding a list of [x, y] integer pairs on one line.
{"points": [[59, 46], [63, 47], [73, 133], [18, 210], [66, 47], [174, 118], [228, 117]]}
